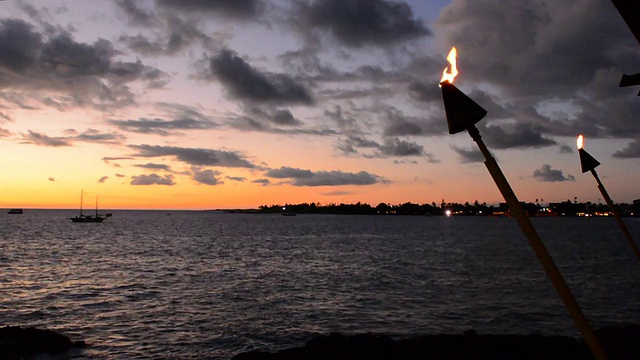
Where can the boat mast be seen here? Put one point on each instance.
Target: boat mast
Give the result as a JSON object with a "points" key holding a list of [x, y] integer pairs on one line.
{"points": [[81, 197], [96, 205]]}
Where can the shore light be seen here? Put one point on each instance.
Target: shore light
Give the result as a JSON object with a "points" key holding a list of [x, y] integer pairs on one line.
{"points": [[462, 114]]}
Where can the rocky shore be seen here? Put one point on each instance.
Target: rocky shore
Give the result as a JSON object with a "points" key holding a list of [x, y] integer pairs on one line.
{"points": [[20, 343], [620, 343]]}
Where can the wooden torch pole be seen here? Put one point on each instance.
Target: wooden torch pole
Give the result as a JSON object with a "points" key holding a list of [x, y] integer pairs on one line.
{"points": [[538, 247], [616, 213]]}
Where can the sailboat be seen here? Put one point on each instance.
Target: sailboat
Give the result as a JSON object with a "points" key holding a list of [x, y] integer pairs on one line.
{"points": [[88, 218]]}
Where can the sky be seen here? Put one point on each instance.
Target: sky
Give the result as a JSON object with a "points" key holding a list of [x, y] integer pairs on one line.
{"points": [[193, 104]]}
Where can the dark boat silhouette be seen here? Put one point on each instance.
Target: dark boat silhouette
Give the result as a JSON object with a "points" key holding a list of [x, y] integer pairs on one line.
{"points": [[15, 211], [88, 218]]}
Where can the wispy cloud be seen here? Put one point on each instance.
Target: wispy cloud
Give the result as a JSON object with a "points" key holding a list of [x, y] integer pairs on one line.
{"points": [[304, 177]]}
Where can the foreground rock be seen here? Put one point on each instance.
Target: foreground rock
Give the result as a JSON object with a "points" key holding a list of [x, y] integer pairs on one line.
{"points": [[18, 343], [619, 343]]}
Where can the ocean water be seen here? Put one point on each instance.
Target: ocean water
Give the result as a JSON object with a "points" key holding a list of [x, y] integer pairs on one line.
{"points": [[203, 285]]}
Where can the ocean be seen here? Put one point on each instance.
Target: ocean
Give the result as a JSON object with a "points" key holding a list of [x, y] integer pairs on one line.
{"points": [[207, 285]]}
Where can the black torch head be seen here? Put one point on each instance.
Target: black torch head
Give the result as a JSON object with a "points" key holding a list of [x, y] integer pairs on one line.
{"points": [[587, 162], [462, 112]]}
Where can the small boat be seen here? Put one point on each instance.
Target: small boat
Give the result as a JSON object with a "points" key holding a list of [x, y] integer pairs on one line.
{"points": [[88, 218], [15, 211]]}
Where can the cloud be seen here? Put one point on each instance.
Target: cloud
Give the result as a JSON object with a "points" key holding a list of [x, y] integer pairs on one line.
{"points": [[207, 177], [263, 182], [357, 23], [632, 151], [120, 175], [194, 156], [518, 135], [43, 140], [52, 179], [153, 179], [246, 83], [469, 155], [302, 177], [237, 9], [565, 149], [103, 179], [96, 136], [55, 70], [237, 178], [398, 147], [561, 52], [546, 174], [172, 33], [160, 127], [152, 166]]}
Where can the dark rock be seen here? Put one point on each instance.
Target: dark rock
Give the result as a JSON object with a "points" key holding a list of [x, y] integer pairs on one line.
{"points": [[619, 343], [17, 342]]}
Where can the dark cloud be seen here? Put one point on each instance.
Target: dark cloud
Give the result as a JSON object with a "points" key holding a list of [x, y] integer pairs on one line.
{"points": [[353, 142], [302, 177], [153, 166], [469, 155], [237, 178], [244, 82], [632, 151], [565, 149], [281, 117], [356, 23], [96, 136], [238, 9], [263, 182], [19, 44], [396, 123], [194, 156], [153, 179], [137, 15], [546, 174], [518, 135], [398, 147], [120, 175], [43, 140], [284, 117], [546, 51], [160, 126], [424, 92], [207, 177], [103, 179], [55, 70], [175, 35]]}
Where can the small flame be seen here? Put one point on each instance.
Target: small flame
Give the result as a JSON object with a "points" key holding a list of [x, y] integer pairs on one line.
{"points": [[450, 72], [580, 141]]}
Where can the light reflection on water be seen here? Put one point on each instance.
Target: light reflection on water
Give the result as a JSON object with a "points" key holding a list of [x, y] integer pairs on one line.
{"points": [[207, 285]]}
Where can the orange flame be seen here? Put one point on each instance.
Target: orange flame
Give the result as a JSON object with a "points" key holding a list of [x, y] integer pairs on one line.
{"points": [[580, 141], [450, 72]]}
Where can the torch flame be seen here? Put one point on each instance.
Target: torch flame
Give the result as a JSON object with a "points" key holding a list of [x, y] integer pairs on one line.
{"points": [[580, 142], [450, 72]]}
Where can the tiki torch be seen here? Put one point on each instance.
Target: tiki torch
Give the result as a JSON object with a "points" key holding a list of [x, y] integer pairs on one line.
{"points": [[588, 163], [462, 114]]}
